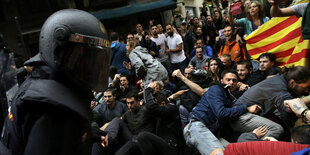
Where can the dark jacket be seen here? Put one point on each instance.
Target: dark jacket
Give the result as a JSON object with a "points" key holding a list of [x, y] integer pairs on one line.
{"points": [[47, 114], [150, 46], [168, 124], [189, 41], [215, 107], [118, 56]]}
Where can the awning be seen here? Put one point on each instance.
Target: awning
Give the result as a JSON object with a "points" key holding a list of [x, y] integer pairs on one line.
{"points": [[134, 9]]}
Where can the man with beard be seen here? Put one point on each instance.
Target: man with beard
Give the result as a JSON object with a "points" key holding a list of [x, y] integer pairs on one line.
{"points": [[159, 39], [174, 46], [246, 76], [110, 108], [270, 94]]}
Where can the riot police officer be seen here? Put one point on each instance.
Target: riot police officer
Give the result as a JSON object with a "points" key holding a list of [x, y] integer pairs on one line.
{"points": [[50, 113]]}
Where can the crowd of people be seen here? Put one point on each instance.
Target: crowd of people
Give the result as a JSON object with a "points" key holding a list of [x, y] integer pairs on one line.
{"points": [[190, 87], [186, 88]]}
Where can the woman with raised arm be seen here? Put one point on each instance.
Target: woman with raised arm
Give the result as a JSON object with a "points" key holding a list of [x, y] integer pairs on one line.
{"points": [[255, 17]]}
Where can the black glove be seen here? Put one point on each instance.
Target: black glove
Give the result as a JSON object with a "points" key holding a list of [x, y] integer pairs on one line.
{"points": [[141, 72], [96, 133]]}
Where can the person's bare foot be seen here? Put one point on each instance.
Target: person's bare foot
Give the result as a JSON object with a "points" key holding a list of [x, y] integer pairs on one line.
{"points": [[260, 131]]}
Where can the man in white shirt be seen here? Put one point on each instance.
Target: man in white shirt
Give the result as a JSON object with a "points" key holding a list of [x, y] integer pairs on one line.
{"points": [[159, 39], [174, 46]]}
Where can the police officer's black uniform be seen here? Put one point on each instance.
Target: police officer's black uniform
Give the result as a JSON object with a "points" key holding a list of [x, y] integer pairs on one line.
{"points": [[50, 113]]}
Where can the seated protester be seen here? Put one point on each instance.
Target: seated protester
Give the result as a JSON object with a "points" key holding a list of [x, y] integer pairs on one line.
{"points": [[227, 62], [199, 60], [247, 79], [108, 109], [271, 94], [267, 63], [150, 45], [214, 69], [137, 118], [207, 50], [122, 86], [168, 126], [231, 46], [215, 106], [147, 68]]}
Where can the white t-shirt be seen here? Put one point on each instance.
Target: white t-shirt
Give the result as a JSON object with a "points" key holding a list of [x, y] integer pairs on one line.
{"points": [[172, 43], [160, 40]]}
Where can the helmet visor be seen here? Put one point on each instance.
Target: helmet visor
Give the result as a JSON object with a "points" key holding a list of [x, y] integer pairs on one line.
{"points": [[88, 66]]}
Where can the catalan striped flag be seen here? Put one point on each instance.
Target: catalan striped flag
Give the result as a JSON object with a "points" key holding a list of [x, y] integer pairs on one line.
{"points": [[282, 37]]}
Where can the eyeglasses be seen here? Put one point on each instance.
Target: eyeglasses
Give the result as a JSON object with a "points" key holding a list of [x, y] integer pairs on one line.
{"points": [[130, 37]]}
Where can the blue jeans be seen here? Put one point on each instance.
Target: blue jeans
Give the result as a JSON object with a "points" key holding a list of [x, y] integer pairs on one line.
{"points": [[183, 115], [200, 137]]}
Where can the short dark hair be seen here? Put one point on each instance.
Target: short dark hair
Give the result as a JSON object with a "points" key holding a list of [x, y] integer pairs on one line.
{"points": [[114, 36], [160, 97], [168, 24], [228, 25], [270, 56], [124, 76], [201, 40], [133, 94], [301, 134], [112, 90], [226, 71], [247, 64], [299, 74]]}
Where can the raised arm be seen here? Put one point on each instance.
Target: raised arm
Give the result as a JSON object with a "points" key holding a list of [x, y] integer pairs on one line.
{"points": [[276, 11], [193, 86]]}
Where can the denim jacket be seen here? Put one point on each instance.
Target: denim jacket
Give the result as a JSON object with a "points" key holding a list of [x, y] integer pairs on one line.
{"points": [[216, 106]]}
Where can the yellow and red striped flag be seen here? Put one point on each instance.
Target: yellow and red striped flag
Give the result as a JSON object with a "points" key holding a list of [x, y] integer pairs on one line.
{"points": [[282, 37]]}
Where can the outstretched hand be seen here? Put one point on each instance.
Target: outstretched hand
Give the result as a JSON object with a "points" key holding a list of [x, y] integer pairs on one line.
{"points": [[296, 105]]}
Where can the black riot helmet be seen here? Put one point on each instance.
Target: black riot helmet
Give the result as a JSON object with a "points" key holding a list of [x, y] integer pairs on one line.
{"points": [[74, 43]]}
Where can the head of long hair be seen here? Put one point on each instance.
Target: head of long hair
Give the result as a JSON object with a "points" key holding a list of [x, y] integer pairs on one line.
{"points": [[132, 43], [261, 12]]}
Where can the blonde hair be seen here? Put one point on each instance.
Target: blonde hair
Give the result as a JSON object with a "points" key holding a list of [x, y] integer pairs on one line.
{"points": [[133, 43]]}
